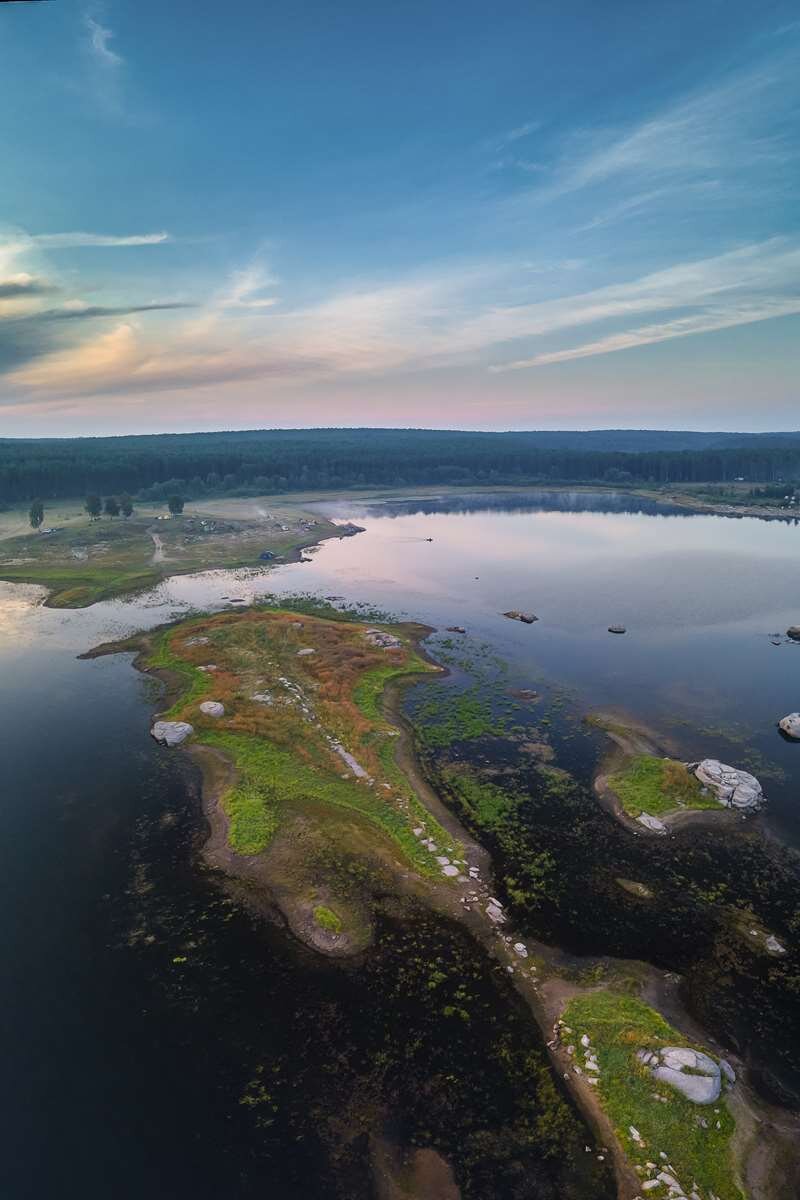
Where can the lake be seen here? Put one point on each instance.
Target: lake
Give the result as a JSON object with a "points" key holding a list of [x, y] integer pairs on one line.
{"points": [[127, 1070]]}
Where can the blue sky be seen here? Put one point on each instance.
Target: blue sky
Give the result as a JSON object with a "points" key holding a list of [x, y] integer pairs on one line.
{"points": [[512, 216]]}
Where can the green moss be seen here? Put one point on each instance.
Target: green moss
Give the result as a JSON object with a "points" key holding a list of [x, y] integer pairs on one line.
{"points": [[618, 1026], [368, 693], [327, 919], [657, 785], [162, 658]]}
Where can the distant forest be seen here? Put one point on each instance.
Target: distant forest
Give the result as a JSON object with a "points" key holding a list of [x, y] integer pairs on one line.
{"points": [[249, 462]]}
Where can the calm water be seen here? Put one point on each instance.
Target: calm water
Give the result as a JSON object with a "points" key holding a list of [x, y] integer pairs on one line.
{"points": [[123, 1072]]}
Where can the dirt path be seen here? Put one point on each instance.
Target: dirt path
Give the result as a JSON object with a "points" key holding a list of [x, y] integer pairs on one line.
{"points": [[158, 552]]}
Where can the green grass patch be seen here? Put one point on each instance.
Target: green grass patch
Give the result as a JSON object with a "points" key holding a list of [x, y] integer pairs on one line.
{"points": [[86, 585], [368, 692], [327, 919], [618, 1026], [162, 658], [276, 779], [657, 785], [252, 818]]}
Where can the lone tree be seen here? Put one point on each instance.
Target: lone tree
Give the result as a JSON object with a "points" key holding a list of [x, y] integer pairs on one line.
{"points": [[126, 504], [112, 506], [175, 505], [36, 514], [93, 506]]}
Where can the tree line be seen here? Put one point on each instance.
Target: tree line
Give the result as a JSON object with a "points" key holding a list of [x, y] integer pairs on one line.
{"points": [[95, 506], [195, 465]]}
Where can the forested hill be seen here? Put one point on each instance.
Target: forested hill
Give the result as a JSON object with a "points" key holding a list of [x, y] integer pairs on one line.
{"points": [[293, 460]]}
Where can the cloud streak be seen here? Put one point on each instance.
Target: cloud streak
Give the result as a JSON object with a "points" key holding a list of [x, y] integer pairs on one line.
{"points": [[67, 241]]}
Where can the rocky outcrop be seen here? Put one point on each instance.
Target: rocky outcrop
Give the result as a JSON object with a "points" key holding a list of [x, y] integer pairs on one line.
{"points": [[732, 787], [212, 708], [616, 629], [171, 733], [651, 823], [514, 615], [691, 1072], [794, 633], [790, 725], [386, 641]]}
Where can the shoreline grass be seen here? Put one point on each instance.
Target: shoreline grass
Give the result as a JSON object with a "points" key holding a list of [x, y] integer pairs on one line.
{"points": [[617, 1027]]}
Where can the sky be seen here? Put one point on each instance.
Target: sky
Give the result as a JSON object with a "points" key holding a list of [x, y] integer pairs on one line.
{"points": [[552, 214]]}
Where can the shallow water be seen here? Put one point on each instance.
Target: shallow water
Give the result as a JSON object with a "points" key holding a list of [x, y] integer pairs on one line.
{"points": [[122, 1075]]}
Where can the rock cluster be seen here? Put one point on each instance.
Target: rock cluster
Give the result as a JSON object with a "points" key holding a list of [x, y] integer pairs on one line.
{"points": [[171, 733], [387, 641], [732, 787], [691, 1072]]}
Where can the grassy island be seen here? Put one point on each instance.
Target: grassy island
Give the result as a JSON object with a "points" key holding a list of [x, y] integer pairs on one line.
{"points": [[687, 1141], [302, 723], [648, 784]]}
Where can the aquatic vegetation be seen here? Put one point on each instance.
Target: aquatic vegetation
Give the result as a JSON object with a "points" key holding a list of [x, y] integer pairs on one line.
{"points": [[657, 785], [691, 1142]]}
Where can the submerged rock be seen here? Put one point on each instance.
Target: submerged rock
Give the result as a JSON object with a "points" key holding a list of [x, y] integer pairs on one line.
{"points": [[616, 629], [790, 725], [732, 787], [526, 617], [171, 733], [212, 708]]}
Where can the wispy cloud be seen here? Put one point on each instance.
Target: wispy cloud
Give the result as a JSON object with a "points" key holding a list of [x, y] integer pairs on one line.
{"points": [[99, 38], [741, 125], [710, 321], [753, 283], [445, 319], [64, 241]]}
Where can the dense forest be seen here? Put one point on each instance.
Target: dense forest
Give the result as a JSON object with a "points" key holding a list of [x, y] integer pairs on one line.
{"points": [[253, 461]]}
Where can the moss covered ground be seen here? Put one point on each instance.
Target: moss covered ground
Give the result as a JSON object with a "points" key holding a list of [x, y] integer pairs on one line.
{"points": [[647, 784], [305, 731], [690, 1142]]}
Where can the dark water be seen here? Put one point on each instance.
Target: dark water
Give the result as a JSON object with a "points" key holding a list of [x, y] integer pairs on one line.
{"points": [[251, 1067]]}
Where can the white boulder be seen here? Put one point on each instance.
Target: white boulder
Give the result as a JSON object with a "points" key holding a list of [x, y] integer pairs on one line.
{"points": [[691, 1072], [171, 733], [790, 725], [651, 823], [732, 787], [212, 708]]}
